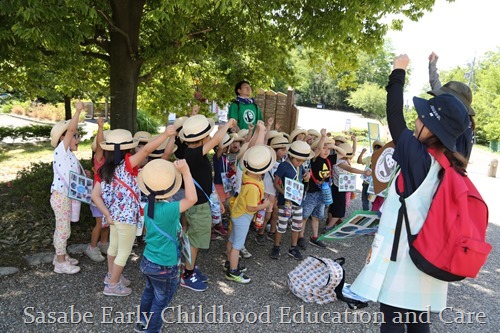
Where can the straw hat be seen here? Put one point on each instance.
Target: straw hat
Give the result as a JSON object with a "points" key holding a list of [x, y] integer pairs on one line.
{"points": [[161, 148], [300, 150], [243, 133], [196, 128], [242, 151], [347, 149], [236, 137], [227, 140], [142, 136], [313, 132], [377, 143], [315, 144], [279, 142], [179, 122], [272, 134], [93, 146], [57, 131], [259, 159], [120, 138], [296, 132], [340, 138], [158, 179], [286, 135]]}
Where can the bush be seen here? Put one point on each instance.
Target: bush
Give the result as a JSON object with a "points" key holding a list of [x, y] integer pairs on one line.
{"points": [[146, 123], [27, 220], [26, 132]]}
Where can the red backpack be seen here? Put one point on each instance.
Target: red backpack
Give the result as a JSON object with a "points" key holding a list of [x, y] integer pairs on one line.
{"points": [[451, 244]]}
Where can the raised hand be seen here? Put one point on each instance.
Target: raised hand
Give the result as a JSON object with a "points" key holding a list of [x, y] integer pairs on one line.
{"points": [[401, 62], [100, 122], [433, 57], [181, 166], [170, 130]]}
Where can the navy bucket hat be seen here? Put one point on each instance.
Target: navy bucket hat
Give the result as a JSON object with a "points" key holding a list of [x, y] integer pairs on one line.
{"points": [[445, 116]]}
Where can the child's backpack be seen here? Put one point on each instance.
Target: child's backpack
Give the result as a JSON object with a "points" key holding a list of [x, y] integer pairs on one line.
{"points": [[451, 244], [321, 281]]}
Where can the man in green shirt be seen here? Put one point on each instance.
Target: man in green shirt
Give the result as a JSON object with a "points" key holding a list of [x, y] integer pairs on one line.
{"points": [[243, 109]]}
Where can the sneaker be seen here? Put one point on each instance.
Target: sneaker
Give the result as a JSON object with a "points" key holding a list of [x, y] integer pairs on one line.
{"points": [[275, 252], [327, 228], [67, 258], [241, 268], [316, 242], [200, 275], [139, 327], [237, 276], [123, 280], [94, 254], [270, 236], [245, 254], [116, 290], [194, 283], [219, 228], [260, 240], [103, 247], [301, 242], [65, 268], [295, 253]]}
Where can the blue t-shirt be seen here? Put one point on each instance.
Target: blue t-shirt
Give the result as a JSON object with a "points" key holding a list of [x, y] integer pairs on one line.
{"points": [[220, 165], [414, 160], [287, 170], [159, 249]]}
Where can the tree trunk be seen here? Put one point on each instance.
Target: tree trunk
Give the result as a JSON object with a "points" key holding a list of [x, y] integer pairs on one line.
{"points": [[67, 107], [125, 63]]}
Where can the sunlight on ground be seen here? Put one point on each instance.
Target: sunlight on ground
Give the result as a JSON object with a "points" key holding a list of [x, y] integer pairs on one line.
{"points": [[225, 288]]}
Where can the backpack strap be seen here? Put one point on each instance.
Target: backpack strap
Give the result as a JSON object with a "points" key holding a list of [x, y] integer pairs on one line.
{"points": [[353, 304]]}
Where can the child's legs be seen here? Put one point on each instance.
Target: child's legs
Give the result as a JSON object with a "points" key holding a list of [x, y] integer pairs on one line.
{"points": [[274, 217], [126, 236], [296, 224], [337, 208], [161, 285], [308, 206], [96, 232], [364, 197], [200, 225], [237, 238], [61, 205], [281, 226], [104, 235], [269, 212]]}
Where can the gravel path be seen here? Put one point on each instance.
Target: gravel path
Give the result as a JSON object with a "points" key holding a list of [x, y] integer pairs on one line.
{"points": [[28, 297]]}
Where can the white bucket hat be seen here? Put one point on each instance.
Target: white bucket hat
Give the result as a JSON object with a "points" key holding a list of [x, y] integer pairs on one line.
{"points": [[57, 131], [236, 137], [340, 138], [314, 132], [158, 179], [300, 150], [179, 122], [196, 128], [243, 133], [259, 159]]}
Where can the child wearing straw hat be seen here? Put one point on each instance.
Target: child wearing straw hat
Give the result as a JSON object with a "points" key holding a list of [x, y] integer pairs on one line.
{"points": [[298, 152], [367, 160], [64, 138], [100, 234], [159, 180], [256, 161], [279, 144], [196, 133], [117, 196], [221, 179]]}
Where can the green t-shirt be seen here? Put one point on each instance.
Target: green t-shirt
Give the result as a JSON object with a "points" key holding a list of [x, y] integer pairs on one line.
{"points": [[159, 249], [247, 114]]}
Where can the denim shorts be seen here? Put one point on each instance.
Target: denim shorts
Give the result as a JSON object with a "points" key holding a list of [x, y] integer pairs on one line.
{"points": [[313, 205], [240, 230]]}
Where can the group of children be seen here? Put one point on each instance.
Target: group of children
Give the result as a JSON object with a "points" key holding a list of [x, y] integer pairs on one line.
{"points": [[134, 181]]}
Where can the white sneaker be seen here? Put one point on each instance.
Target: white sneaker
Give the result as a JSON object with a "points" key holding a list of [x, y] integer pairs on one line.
{"points": [[67, 258], [103, 247], [245, 254], [65, 268], [94, 254]]}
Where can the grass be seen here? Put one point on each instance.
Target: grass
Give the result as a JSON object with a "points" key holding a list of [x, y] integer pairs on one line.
{"points": [[15, 157]]}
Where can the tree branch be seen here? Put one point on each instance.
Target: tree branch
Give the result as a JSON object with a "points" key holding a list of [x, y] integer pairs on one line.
{"points": [[96, 55], [121, 32], [200, 32], [148, 76]]}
